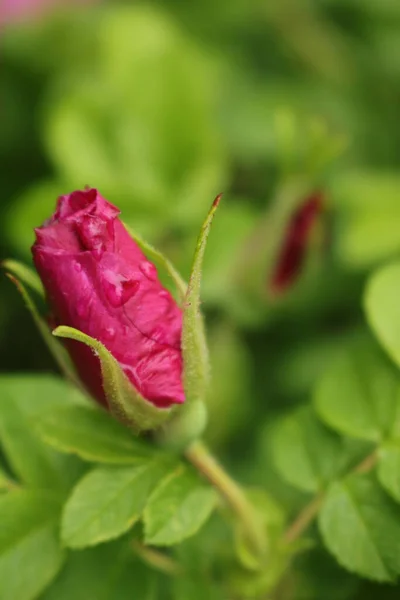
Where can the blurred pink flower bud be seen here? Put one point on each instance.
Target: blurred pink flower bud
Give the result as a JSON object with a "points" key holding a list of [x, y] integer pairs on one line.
{"points": [[292, 252], [98, 281], [16, 10]]}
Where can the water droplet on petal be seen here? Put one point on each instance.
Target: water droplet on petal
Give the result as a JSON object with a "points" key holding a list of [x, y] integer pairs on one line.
{"points": [[109, 333], [77, 267], [148, 270], [129, 289], [164, 294], [118, 289]]}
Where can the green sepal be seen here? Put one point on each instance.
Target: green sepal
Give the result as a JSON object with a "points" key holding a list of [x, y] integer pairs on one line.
{"points": [[196, 369], [158, 257], [59, 354], [124, 401], [24, 274]]}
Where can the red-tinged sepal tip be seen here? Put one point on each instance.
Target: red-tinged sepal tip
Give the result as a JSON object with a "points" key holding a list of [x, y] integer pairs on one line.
{"points": [[217, 200], [292, 251]]}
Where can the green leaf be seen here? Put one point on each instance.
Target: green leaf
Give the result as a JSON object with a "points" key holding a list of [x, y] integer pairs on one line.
{"points": [[120, 575], [24, 274], [196, 587], [197, 554], [360, 526], [92, 434], [389, 468], [124, 401], [194, 345], [30, 555], [178, 507], [357, 395], [107, 502], [368, 230], [6, 483], [23, 399], [155, 255], [305, 453], [57, 351], [383, 309], [146, 583], [37, 394], [79, 579], [319, 577]]}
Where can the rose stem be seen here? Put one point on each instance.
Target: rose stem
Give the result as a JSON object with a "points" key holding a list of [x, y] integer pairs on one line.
{"points": [[206, 464]]}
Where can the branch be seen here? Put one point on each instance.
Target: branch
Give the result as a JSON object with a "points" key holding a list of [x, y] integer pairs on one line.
{"points": [[305, 518]]}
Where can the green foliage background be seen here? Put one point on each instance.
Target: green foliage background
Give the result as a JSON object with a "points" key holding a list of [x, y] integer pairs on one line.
{"points": [[163, 105]]}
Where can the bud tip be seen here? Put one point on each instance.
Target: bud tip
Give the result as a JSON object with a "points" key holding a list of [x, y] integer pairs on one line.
{"points": [[217, 200]]}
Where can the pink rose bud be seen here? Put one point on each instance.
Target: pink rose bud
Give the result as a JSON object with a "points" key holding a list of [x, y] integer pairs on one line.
{"points": [[292, 252], [16, 10], [98, 281]]}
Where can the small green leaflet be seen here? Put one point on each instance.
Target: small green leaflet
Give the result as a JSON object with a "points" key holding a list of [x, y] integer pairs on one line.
{"points": [[22, 400], [320, 577], [306, 454], [106, 572], [80, 580], [107, 502], [178, 507], [358, 393], [30, 554], [389, 468], [37, 393], [383, 309], [360, 526], [368, 228], [92, 434]]}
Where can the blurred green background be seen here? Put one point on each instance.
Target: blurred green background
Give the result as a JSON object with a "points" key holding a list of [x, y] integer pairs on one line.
{"points": [[163, 105]]}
